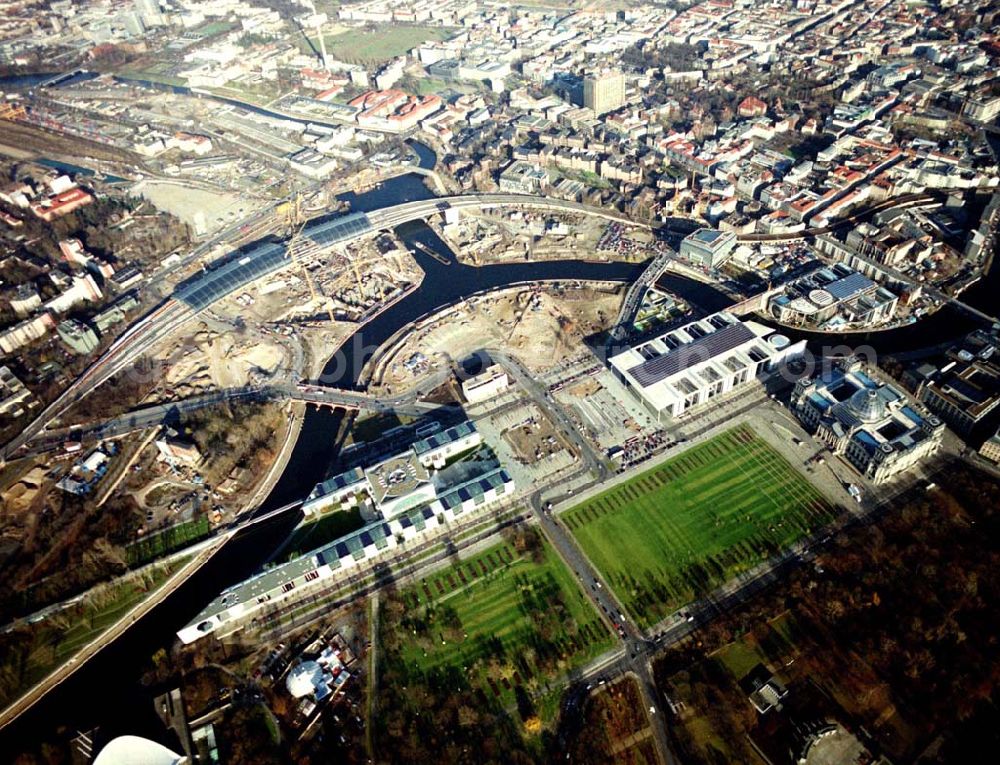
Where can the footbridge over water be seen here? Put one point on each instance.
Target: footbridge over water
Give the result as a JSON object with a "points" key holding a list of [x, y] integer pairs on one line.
{"points": [[633, 298]]}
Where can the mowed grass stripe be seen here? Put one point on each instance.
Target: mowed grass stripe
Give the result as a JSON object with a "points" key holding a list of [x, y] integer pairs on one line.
{"points": [[498, 608], [722, 506]]}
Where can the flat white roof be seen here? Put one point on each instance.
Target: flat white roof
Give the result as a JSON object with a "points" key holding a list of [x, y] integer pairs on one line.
{"points": [[671, 366]]}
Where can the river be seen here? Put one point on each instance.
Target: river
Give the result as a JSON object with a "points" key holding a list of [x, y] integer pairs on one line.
{"points": [[107, 690], [34, 79]]}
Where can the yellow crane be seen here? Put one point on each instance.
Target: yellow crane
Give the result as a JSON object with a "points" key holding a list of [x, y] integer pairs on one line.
{"points": [[296, 223]]}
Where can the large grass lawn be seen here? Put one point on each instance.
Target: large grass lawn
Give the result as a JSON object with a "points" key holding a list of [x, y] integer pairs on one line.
{"points": [[497, 620], [679, 529], [360, 47]]}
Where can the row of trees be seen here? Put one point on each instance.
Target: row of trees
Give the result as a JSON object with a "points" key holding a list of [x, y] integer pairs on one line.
{"points": [[899, 615]]}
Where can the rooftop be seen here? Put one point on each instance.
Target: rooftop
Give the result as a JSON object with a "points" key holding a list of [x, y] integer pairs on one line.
{"points": [[396, 477], [689, 354]]}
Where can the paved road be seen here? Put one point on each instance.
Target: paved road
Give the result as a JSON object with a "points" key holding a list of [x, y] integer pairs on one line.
{"points": [[636, 649], [633, 298], [634, 645], [543, 398], [906, 200], [161, 322]]}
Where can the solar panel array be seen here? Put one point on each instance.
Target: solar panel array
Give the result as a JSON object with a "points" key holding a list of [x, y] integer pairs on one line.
{"points": [[849, 285], [704, 348], [264, 258]]}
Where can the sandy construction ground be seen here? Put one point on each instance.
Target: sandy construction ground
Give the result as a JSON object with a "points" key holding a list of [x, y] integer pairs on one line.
{"points": [[205, 211], [10, 151], [540, 327], [222, 361]]}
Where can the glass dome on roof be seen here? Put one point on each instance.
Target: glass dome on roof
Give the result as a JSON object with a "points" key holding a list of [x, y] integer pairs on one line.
{"points": [[867, 405]]}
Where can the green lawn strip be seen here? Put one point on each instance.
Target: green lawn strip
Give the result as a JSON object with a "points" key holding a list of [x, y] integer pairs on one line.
{"points": [[740, 657], [413, 560], [49, 645], [694, 521], [356, 46], [496, 613], [168, 540], [321, 531]]}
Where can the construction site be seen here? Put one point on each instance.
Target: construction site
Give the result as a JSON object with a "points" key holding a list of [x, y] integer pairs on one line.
{"points": [[479, 238], [542, 324], [291, 323]]}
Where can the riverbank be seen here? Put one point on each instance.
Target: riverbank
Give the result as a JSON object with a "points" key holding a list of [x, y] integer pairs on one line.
{"points": [[65, 671], [297, 413], [126, 706]]}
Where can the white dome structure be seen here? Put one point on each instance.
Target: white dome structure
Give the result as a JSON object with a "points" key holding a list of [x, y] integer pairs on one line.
{"points": [[779, 341], [822, 298], [135, 750], [304, 679]]}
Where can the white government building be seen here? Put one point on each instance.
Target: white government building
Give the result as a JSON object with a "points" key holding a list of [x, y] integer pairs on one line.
{"points": [[409, 505], [875, 426], [487, 384], [398, 483], [685, 368]]}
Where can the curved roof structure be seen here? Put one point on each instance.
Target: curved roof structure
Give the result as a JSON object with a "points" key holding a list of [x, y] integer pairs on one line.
{"points": [[779, 341], [803, 306], [304, 679], [262, 258], [867, 405], [135, 750], [822, 298]]}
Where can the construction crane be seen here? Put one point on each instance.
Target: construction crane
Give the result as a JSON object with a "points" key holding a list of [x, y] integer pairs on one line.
{"points": [[296, 223], [12, 111]]}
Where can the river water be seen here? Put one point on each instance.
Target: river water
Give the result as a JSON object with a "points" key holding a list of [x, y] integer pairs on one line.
{"points": [[29, 81], [107, 691]]}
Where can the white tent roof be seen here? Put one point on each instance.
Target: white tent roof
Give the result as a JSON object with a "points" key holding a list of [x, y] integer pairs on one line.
{"points": [[135, 750], [304, 679]]}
